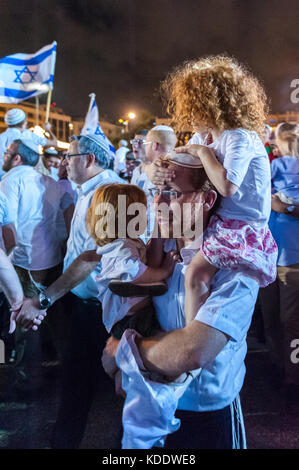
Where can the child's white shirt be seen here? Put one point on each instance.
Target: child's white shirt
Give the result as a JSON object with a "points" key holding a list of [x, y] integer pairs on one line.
{"points": [[243, 155], [122, 259]]}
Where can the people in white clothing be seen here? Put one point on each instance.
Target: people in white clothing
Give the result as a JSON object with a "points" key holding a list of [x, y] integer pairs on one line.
{"points": [[86, 163], [16, 121]]}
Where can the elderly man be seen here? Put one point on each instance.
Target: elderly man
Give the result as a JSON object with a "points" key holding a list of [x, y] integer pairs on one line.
{"points": [[86, 162], [158, 142], [215, 340], [16, 121]]}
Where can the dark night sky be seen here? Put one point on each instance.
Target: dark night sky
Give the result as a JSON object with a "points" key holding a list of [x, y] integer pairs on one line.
{"points": [[122, 49]]}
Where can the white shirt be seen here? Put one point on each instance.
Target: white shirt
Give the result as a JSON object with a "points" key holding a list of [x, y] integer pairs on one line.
{"points": [[6, 216], [80, 239], [13, 133], [123, 259], [35, 202], [229, 308], [245, 159], [120, 159]]}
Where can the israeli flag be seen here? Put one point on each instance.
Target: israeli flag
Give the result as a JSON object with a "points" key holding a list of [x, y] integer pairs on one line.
{"points": [[23, 76], [92, 125]]}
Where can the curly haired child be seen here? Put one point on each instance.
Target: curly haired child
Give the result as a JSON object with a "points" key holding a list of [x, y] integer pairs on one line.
{"points": [[219, 97]]}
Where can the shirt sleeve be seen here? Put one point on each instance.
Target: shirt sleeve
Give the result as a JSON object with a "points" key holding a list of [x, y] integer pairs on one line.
{"points": [[39, 140], [6, 216], [230, 306], [10, 188], [121, 260], [237, 156]]}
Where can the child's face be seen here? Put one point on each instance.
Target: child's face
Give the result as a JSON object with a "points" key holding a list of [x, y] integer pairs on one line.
{"points": [[200, 127]]}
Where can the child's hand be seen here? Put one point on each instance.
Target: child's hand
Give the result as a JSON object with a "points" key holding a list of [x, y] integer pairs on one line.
{"points": [[169, 262], [198, 151]]}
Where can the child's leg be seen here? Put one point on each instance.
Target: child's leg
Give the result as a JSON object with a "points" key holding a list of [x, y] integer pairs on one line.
{"points": [[197, 280]]}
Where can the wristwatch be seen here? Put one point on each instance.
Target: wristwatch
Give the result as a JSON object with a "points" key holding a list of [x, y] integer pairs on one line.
{"points": [[44, 301], [290, 209]]}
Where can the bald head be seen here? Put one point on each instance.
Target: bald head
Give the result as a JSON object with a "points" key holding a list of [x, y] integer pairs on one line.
{"points": [[160, 140]]}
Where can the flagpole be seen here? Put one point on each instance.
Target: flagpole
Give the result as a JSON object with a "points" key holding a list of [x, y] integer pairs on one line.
{"points": [[92, 98], [49, 97], [37, 110], [48, 105]]}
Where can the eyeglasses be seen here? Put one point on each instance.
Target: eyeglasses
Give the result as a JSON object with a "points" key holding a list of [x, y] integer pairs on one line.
{"points": [[168, 193], [68, 156], [137, 142]]}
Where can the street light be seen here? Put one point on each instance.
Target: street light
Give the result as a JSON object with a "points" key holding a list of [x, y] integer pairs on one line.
{"points": [[131, 115]]}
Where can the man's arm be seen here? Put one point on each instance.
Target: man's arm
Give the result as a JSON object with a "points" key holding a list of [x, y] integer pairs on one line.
{"points": [[179, 351], [9, 282], [80, 268], [52, 141], [279, 206], [9, 235]]}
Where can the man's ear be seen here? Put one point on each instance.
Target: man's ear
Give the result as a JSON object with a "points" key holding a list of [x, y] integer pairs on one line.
{"points": [[17, 160], [90, 160], [209, 199]]}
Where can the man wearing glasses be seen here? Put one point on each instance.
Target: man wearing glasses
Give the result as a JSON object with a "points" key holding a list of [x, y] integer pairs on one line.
{"points": [[87, 163], [157, 143]]}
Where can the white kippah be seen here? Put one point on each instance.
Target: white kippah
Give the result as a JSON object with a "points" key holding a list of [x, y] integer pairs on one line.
{"points": [[162, 127], [30, 144], [50, 151], [123, 142], [14, 116], [184, 159]]}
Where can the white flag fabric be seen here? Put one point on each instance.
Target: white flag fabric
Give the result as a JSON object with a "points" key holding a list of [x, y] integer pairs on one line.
{"points": [[23, 76], [92, 125]]}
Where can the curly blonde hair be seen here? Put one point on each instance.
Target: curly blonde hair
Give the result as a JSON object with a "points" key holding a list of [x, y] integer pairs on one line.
{"points": [[215, 91]]}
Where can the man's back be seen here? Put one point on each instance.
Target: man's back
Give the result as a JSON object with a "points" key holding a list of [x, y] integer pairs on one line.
{"points": [[35, 203]]}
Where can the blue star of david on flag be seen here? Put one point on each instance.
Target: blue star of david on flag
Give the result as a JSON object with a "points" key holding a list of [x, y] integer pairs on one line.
{"points": [[28, 75], [23, 76], [92, 125]]}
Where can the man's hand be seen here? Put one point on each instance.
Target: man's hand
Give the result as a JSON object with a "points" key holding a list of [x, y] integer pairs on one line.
{"points": [[159, 174], [30, 315], [47, 126], [108, 357], [118, 384]]}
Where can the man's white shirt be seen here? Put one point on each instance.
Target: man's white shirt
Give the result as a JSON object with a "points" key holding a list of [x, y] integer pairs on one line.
{"points": [[13, 133], [229, 308], [35, 204]]}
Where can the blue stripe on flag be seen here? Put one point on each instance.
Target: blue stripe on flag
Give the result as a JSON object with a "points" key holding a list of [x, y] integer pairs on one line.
{"points": [[33, 61], [12, 93]]}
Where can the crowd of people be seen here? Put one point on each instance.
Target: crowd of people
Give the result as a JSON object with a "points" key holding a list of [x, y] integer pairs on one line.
{"points": [[151, 265]]}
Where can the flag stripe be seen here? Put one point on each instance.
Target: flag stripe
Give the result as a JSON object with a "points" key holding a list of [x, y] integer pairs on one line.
{"points": [[23, 95], [32, 61]]}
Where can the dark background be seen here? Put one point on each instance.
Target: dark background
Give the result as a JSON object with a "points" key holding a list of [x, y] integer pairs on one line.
{"points": [[122, 49]]}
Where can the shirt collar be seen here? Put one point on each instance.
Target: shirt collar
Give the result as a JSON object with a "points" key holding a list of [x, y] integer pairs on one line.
{"points": [[90, 184]]}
